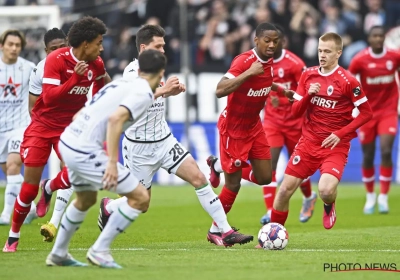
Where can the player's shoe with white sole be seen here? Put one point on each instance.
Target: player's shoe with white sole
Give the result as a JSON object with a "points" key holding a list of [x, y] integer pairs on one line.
{"points": [[101, 259], [383, 204], [369, 207], [10, 247], [68, 260], [307, 208]]}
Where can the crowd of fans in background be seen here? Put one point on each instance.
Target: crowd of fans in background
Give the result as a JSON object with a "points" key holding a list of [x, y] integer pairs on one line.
{"points": [[218, 30]]}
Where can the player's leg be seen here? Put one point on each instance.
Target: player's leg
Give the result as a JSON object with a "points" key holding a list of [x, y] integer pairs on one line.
{"points": [[367, 136], [35, 153], [387, 129], [276, 141], [60, 182]]}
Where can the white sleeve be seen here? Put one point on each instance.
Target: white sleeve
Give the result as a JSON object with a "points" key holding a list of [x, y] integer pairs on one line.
{"points": [[131, 71], [137, 104], [35, 80]]}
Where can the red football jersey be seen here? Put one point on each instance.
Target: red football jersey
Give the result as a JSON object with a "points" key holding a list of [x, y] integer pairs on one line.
{"points": [[64, 92], [377, 76], [287, 72], [331, 108], [241, 117]]}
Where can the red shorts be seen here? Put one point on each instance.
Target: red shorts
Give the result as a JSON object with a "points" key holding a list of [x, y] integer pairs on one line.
{"points": [[378, 126], [279, 137], [35, 151], [234, 153], [308, 157]]}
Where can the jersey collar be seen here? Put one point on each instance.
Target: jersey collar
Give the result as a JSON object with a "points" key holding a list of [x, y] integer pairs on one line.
{"points": [[328, 74], [376, 55], [262, 61], [72, 54], [281, 57]]}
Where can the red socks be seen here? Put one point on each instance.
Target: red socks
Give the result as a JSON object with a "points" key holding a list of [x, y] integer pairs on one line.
{"points": [[269, 192], [61, 182], [22, 205], [368, 177], [227, 198], [305, 188], [385, 178], [279, 217], [247, 174]]}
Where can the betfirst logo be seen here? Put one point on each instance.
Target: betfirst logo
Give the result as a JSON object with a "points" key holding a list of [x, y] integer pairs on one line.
{"points": [[79, 90], [380, 80], [322, 102], [260, 92]]}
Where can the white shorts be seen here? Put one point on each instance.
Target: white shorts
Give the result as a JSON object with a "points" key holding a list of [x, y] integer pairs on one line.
{"points": [[86, 170], [10, 142], [145, 159]]}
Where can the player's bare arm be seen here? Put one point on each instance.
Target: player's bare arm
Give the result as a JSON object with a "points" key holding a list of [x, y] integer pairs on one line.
{"points": [[227, 86], [107, 79], [114, 130], [281, 90]]}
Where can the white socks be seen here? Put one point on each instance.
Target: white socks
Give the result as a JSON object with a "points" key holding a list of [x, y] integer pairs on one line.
{"points": [[113, 205], [70, 223], [62, 200], [118, 222], [217, 166], [13, 188], [211, 203]]}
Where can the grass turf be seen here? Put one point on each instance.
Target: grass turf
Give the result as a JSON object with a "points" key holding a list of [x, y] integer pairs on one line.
{"points": [[169, 242]]}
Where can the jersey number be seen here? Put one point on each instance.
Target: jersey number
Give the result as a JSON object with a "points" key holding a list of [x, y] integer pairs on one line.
{"points": [[101, 93], [176, 151], [15, 145]]}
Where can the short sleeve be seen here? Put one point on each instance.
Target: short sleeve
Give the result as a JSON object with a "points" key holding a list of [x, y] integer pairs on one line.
{"points": [[299, 69], [355, 92], [238, 66], [138, 101], [301, 86], [131, 71], [35, 80], [100, 68], [52, 69]]}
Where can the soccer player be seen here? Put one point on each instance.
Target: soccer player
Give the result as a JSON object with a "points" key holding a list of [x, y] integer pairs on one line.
{"points": [[14, 116], [242, 137], [53, 40], [149, 145], [113, 109], [327, 94], [68, 74], [377, 67]]}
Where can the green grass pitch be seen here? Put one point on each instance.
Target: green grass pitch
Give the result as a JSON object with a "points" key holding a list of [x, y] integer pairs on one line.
{"points": [[169, 242]]}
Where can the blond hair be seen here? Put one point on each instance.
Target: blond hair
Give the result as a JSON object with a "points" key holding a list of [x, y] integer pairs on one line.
{"points": [[331, 36]]}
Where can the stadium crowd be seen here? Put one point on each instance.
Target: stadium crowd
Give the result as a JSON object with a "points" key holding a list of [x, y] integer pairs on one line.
{"points": [[221, 29]]}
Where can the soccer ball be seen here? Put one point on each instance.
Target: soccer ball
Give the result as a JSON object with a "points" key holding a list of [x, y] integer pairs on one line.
{"points": [[273, 236]]}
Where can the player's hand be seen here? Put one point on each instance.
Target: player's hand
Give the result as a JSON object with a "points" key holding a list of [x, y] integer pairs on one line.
{"points": [[256, 69], [289, 94], [172, 86], [314, 88], [331, 141], [110, 178], [275, 101], [182, 87], [81, 67]]}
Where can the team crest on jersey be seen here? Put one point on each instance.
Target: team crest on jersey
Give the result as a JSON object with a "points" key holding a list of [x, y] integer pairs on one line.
{"points": [[90, 75], [296, 160], [281, 72], [10, 87], [329, 91], [66, 53], [389, 65]]}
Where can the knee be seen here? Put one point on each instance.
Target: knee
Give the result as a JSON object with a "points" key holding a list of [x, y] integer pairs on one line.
{"points": [[368, 157], [198, 179], [140, 200], [327, 194], [286, 189], [14, 168], [263, 179], [386, 154]]}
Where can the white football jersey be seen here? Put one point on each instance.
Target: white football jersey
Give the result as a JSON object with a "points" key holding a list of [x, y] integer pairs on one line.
{"points": [[35, 81], [14, 94], [88, 131], [152, 126]]}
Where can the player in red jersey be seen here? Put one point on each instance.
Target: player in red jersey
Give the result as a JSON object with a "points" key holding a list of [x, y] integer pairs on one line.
{"points": [[328, 95], [247, 85], [68, 74], [377, 67], [282, 128]]}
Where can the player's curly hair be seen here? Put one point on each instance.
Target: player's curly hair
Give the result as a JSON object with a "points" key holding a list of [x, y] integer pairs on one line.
{"points": [[85, 29], [13, 32], [146, 33], [53, 34]]}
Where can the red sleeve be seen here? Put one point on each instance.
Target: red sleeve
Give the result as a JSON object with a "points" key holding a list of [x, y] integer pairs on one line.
{"points": [[354, 91], [237, 67], [354, 66], [99, 81], [52, 87], [300, 67], [301, 97]]}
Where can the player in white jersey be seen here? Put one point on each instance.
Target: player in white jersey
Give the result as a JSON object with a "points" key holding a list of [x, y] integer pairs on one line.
{"points": [[14, 116], [149, 145], [114, 108]]}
